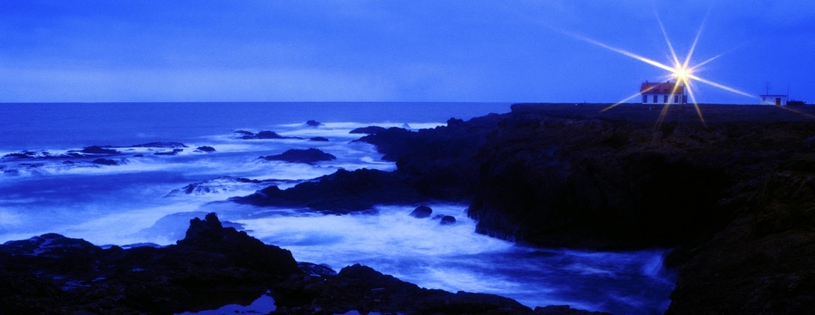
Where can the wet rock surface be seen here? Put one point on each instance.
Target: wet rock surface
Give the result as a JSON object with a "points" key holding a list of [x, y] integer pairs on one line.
{"points": [[421, 212], [339, 193], [308, 156], [212, 266], [561, 175]]}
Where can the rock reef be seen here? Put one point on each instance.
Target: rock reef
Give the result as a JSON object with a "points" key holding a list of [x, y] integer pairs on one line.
{"points": [[732, 194], [212, 266]]}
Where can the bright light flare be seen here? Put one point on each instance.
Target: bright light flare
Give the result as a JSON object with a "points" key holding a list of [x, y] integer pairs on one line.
{"points": [[681, 73], [684, 74]]}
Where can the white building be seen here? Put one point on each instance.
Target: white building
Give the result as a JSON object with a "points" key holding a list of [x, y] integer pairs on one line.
{"points": [[663, 93], [773, 99]]}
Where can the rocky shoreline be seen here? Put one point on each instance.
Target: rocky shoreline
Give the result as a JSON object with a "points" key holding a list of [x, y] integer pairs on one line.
{"points": [[212, 266], [734, 195], [738, 184]]}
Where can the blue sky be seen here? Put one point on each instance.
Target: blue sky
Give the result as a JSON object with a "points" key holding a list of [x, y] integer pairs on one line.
{"points": [[492, 51]]}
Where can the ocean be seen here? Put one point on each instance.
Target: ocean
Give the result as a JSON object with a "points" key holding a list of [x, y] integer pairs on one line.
{"points": [[49, 185]]}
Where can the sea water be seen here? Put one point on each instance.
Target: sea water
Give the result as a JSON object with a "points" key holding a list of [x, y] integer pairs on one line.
{"points": [[149, 198]]}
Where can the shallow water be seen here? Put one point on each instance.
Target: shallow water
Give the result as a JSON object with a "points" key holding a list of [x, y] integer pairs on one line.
{"points": [[144, 198]]}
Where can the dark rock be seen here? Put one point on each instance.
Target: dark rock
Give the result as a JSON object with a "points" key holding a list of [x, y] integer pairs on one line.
{"points": [[102, 161], [205, 148], [340, 193], [138, 155], [313, 123], [23, 155], [99, 150], [319, 139], [761, 262], [564, 310], [173, 152], [268, 135], [447, 220], [211, 267], [368, 130], [421, 212], [364, 289], [168, 145], [316, 270], [243, 134], [308, 156]]}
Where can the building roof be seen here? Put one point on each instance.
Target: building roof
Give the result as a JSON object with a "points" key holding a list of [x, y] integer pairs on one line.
{"points": [[661, 88]]}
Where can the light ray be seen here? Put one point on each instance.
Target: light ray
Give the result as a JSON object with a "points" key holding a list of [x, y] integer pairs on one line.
{"points": [[696, 40], [621, 51], [723, 87], [664, 33], [627, 99], [705, 62], [681, 71], [696, 106], [797, 111]]}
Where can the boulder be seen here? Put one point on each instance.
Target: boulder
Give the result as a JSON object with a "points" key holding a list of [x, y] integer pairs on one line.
{"points": [[206, 149], [313, 123], [101, 161], [447, 220], [318, 139], [421, 212], [168, 145], [99, 150], [367, 130], [268, 135], [173, 152], [308, 156], [339, 193]]}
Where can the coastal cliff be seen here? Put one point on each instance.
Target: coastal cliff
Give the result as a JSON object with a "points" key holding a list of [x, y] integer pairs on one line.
{"points": [[732, 194]]}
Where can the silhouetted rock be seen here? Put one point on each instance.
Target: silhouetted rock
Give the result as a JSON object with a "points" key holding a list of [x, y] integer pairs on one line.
{"points": [[173, 152], [365, 290], [313, 123], [421, 212], [101, 161], [212, 266], [340, 193], [318, 139], [268, 135], [207, 149], [168, 145], [447, 220], [99, 150], [368, 130], [308, 156]]}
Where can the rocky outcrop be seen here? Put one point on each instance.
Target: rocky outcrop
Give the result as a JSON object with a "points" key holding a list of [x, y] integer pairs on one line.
{"points": [[212, 266], [421, 212], [265, 134], [308, 156], [364, 289], [367, 130], [205, 149], [761, 263], [439, 162], [339, 193]]}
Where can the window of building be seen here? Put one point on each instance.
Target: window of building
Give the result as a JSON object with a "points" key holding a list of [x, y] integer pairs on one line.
{"points": [[645, 98], [665, 98], [655, 98], [676, 98]]}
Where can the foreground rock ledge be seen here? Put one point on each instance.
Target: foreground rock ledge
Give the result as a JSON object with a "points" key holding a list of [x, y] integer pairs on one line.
{"points": [[212, 266]]}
